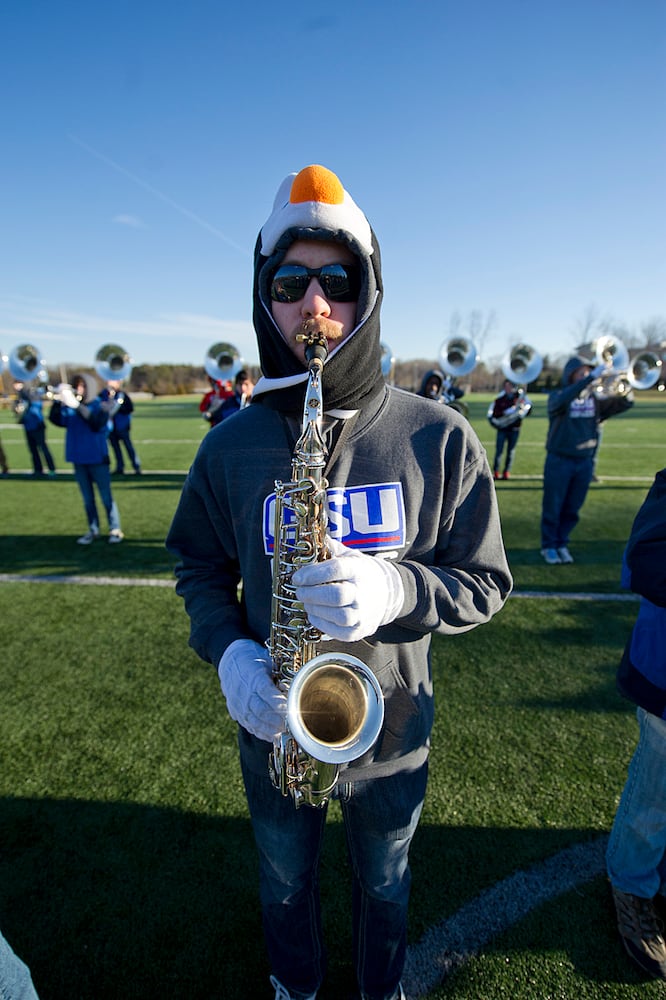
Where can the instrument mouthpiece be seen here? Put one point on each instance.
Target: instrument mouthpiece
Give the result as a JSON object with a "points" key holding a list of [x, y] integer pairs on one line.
{"points": [[316, 347]]}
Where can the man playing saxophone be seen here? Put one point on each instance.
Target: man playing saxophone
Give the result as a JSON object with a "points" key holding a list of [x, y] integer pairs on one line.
{"points": [[412, 546]]}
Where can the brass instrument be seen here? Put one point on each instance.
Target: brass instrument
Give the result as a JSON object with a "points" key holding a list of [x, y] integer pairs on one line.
{"points": [[222, 362], [457, 356], [113, 363], [335, 707], [642, 372], [26, 364], [521, 365]]}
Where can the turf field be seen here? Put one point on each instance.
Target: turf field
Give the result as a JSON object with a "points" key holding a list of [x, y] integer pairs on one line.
{"points": [[127, 868]]}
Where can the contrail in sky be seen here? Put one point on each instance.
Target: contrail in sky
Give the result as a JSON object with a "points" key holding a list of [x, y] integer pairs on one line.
{"points": [[158, 194]]}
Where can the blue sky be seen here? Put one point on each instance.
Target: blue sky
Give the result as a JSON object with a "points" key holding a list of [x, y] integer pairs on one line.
{"points": [[510, 156]]}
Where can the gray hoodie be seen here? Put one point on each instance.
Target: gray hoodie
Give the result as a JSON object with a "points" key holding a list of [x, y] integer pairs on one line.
{"points": [[575, 412], [411, 483]]}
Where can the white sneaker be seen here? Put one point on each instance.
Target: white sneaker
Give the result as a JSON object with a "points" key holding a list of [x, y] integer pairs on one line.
{"points": [[565, 555], [115, 535], [551, 556], [88, 538], [283, 994]]}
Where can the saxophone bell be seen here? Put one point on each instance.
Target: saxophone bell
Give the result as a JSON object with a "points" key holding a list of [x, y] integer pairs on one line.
{"points": [[335, 712]]}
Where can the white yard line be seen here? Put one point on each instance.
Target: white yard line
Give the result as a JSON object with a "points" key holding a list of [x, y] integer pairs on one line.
{"points": [[147, 581], [449, 945]]}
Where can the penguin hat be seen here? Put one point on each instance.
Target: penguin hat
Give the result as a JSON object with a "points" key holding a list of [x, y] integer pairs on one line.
{"points": [[313, 205]]}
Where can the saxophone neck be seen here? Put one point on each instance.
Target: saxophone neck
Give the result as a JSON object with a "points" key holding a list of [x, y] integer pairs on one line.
{"points": [[310, 449]]}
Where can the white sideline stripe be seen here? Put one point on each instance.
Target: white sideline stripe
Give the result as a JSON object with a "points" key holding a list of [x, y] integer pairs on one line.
{"points": [[576, 596], [447, 946], [147, 581], [101, 581], [68, 472]]}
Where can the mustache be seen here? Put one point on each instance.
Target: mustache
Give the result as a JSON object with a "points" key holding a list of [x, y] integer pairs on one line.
{"points": [[318, 325]]}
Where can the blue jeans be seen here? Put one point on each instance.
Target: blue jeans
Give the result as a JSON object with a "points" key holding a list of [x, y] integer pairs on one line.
{"points": [[636, 855], [15, 979], [565, 485], [505, 436], [380, 818], [89, 476]]}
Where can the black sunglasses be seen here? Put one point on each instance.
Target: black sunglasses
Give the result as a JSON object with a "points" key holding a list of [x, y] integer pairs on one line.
{"points": [[339, 282]]}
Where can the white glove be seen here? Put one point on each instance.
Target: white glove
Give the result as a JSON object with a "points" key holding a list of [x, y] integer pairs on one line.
{"points": [[253, 700], [600, 370], [114, 403], [350, 595], [66, 396]]}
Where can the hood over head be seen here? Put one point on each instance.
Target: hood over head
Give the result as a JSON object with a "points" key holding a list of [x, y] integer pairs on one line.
{"points": [[435, 374], [572, 366], [90, 384], [313, 205]]}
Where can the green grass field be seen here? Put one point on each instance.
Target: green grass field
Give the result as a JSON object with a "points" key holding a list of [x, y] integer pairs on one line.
{"points": [[127, 867]]}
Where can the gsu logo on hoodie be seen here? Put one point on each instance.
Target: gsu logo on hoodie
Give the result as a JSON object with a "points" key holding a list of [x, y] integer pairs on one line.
{"points": [[370, 518]]}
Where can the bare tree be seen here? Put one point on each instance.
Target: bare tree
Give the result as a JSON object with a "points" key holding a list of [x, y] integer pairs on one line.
{"points": [[654, 331], [590, 325], [476, 327]]}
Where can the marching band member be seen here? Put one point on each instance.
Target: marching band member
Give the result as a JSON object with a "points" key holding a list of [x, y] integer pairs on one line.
{"points": [[574, 414], [29, 410], [415, 545], [85, 418], [241, 397], [121, 424], [507, 417]]}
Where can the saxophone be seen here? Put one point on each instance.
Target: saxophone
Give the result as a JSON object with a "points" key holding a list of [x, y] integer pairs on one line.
{"points": [[335, 707]]}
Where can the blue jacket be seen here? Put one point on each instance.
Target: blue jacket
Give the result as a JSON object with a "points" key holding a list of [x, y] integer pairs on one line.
{"points": [[32, 417], [641, 675], [86, 431], [121, 419]]}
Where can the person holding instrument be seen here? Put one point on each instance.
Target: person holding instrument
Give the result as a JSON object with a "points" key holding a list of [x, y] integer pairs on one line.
{"points": [[574, 413], [506, 414], [85, 417], [407, 542]]}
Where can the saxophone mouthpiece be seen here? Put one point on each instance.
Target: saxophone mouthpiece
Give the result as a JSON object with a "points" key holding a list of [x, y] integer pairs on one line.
{"points": [[316, 347]]}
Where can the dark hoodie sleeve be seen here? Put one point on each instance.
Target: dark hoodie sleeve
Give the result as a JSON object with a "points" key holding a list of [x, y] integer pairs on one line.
{"points": [[55, 414], [560, 399], [646, 549]]}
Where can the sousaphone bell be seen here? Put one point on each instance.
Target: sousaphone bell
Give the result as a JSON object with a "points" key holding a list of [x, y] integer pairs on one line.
{"points": [[113, 363]]}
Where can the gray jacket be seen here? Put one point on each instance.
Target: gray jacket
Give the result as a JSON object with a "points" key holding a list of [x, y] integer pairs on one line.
{"points": [[412, 481]]}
